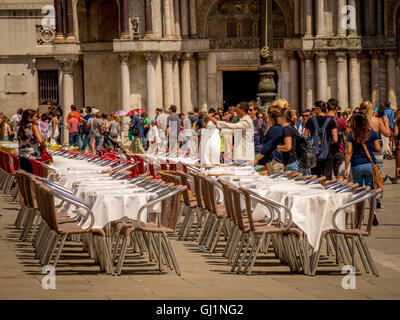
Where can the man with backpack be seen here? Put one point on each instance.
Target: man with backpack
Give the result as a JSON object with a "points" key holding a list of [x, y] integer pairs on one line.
{"points": [[260, 128], [86, 129], [323, 131], [337, 149]]}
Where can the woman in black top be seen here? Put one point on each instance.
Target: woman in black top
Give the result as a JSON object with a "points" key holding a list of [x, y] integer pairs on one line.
{"points": [[289, 137]]}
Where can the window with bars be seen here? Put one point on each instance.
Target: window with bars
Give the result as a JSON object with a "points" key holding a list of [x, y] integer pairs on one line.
{"points": [[231, 27], [48, 87]]}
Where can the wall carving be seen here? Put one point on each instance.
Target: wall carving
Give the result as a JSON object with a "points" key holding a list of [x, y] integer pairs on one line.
{"points": [[44, 36]]}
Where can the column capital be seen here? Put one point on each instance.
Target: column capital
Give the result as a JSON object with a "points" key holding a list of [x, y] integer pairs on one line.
{"points": [[341, 56], [390, 54], [167, 56], [124, 57], [67, 63], [306, 55], [201, 55], [354, 53], [321, 54], [177, 56], [291, 54], [187, 56], [150, 56], [375, 54]]}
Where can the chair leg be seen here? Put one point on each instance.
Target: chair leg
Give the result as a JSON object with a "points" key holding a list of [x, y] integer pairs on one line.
{"points": [[315, 259], [234, 246], [228, 242], [171, 252], [362, 256], [369, 257], [217, 235], [122, 256], [254, 253], [28, 225], [239, 251], [60, 247]]}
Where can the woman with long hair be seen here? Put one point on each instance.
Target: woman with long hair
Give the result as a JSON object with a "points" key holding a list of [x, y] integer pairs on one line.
{"points": [[289, 133], [361, 167], [29, 140], [53, 129], [6, 133]]}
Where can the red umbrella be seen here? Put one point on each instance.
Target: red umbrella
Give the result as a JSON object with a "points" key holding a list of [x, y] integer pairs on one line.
{"points": [[139, 110], [129, 114]]}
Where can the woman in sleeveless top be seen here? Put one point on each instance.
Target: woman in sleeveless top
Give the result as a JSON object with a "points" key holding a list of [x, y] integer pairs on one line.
{"points": [[53, 127], [29, 140]]}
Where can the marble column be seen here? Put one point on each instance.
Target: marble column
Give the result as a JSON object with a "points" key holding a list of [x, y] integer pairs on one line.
{"points": [[308, 19], [176, 80], [391, 78], [375, 77], [352, 3], [150, 58], [67, 64], [70, 21], [193, 19], [340, 31], [168, 79], [285, 75], [294, 80], [186, 97], [124, 19], [184, 15], [354, 79], [322, 72], [149, 20], [320, 16], [379, 15], [59, 20], [212, 96], [202, 81], [125, 82], [168, 15], [342, 79], [308, 58], [296, 11], [177, 18]]}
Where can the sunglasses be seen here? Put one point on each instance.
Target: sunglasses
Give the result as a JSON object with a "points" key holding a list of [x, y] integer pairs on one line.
{"points": [[251, 110], [306, 115]]}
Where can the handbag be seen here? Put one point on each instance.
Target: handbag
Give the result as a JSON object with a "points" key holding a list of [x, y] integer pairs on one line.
{"points": [[45, 156], [376, 175]]}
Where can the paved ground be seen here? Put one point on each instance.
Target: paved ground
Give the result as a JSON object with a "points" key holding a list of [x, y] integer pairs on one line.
{"points": [[204, 276]]}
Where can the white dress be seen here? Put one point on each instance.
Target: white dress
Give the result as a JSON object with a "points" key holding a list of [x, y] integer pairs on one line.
{"points": [[210, 146]]}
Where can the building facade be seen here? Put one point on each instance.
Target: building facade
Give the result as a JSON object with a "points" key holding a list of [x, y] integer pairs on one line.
{"points": [[124, 54]]}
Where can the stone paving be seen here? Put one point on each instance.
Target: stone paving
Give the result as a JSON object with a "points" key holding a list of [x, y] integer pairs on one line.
{"points": [[204, 275]]}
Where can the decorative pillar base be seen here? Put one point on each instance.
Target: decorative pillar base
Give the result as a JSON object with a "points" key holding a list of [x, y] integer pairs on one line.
{"points": [[124, 37], [59, 38], [70, 39], [267, 86]]}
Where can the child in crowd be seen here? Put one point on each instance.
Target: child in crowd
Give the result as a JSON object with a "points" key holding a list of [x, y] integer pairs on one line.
{"points": [[154, 137]]}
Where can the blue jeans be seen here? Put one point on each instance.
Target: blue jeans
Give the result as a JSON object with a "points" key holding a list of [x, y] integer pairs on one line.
{"points": [[294, 166], [74, 139], [85, 142], [362, 174], [98, 141]]}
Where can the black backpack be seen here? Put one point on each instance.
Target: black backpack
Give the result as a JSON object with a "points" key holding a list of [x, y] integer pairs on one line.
{"points": [[305, 152]]}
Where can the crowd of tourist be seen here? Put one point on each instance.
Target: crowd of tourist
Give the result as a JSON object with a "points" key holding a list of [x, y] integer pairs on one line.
{"points": [[346, 143]]}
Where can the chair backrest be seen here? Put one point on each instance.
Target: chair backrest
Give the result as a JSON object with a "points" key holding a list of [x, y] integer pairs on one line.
{"points": [[197, 189], [205, 192], [211, 193], [30, 201], [236, 205], [21, 186], [16, 162], [228, 200], [173, 209], [46, 205]]}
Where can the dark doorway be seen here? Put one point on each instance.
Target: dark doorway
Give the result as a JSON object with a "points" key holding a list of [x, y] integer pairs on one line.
{"points": [[239, 86]]}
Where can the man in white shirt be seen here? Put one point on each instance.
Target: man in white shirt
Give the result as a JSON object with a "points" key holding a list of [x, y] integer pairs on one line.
{"points": [[16, 118], [243, 149], [162, 121]]}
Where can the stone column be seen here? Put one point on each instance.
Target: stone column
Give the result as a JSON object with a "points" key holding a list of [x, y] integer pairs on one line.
{"points": [[294, 80], [379, 20], [193, 19], [391, 78], [150, 58], [308, 57], [125, 82], [370, 17], [320, 16], [168, 16], [296, 9], [176, 81], [340, 31], [177, 19], [124, 19], [322, 79], [308, 12], [184, 15], [168, 79], [375, 77], [355, 79], [67, 64], [70, 21], [354, 32], [59, 20], [285, 74], [202, 81], [149, 19], [342, 79], [212, 79], [186, 84]]}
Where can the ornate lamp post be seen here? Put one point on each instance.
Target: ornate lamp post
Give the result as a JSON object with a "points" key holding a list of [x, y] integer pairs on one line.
{"points": [[266, 87]]}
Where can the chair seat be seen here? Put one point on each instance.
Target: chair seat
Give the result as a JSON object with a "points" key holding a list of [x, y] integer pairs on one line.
{"points": [[349, 232]]}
